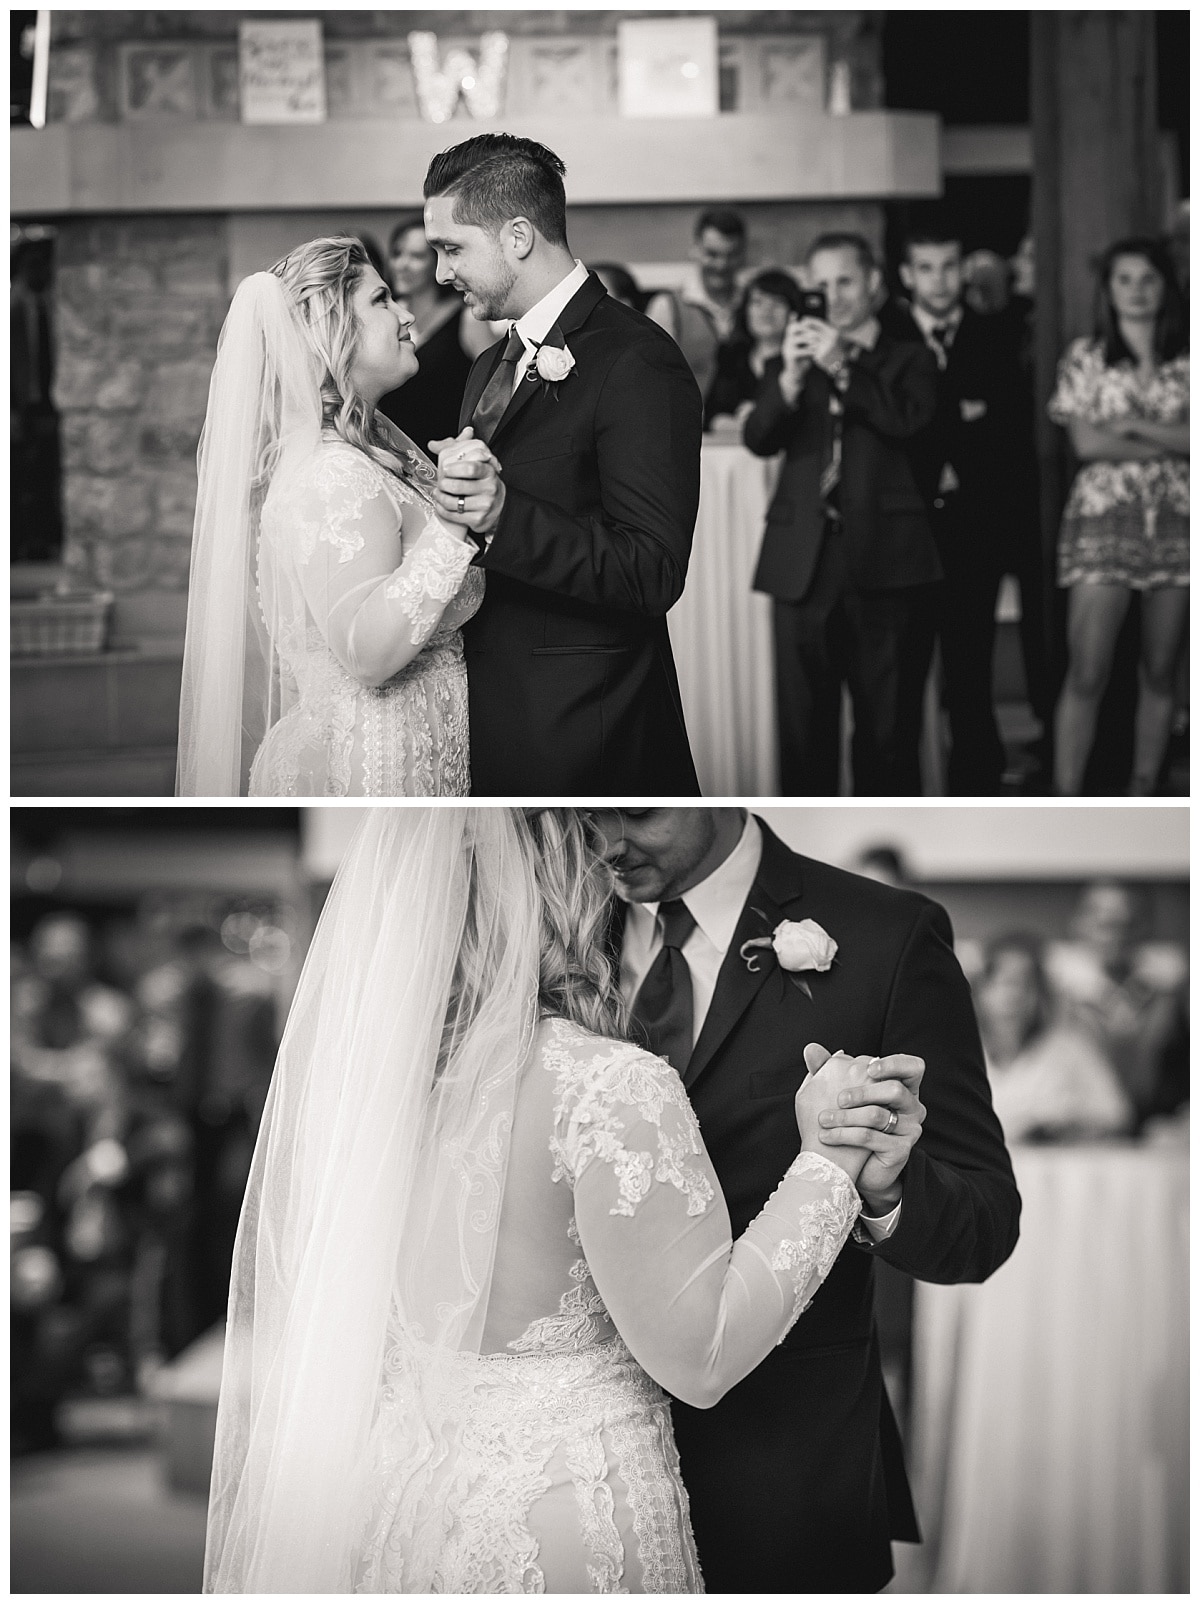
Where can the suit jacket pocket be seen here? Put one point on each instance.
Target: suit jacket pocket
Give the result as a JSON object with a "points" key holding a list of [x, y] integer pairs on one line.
{"points": [[576, 651], [784, 1081], [538, 450], [794, 1343]]}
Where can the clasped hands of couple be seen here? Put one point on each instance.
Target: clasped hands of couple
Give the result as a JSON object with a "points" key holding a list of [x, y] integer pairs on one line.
{"points": [[469, 491], [865, 1115]]}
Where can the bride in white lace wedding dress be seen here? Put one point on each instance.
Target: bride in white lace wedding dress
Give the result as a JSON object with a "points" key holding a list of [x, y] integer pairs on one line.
{"points": [[375, 655], [323, 653], [481, 1236]]}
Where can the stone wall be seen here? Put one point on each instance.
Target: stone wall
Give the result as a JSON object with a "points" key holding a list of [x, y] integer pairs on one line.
{"points": [[140, 301]]}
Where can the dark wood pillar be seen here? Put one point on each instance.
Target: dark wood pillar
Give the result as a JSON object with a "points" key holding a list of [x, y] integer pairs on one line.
{"points": [[1095, 178]]}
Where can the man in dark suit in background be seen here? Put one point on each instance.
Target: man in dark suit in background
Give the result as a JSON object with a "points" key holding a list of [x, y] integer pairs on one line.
{"points": [[796, 1478], [848, 553], [596, 420], [971, 471]]}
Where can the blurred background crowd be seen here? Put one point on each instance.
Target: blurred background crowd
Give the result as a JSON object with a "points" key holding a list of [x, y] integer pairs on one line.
{"points": [[153, 956], [973, 185]]}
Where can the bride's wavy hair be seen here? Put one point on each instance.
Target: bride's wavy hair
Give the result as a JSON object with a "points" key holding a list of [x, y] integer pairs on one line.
{"points": [[320, 279], [557, 909], [577, 977]]}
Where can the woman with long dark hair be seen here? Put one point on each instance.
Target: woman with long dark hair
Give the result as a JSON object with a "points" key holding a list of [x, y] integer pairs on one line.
{"points": [[757, 339], [1049, 1080], [1123, 398]]}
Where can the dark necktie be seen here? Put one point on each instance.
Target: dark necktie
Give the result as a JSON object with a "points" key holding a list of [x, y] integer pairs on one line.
{"points": [[831, 473], [493, 403], [663, 1005], [941, 335]]}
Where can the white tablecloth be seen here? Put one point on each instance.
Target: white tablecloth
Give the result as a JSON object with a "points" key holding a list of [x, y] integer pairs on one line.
{"points": [[721, 630], [1050, 1428]]}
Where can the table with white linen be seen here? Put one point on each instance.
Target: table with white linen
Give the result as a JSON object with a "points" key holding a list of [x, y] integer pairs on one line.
{"points": [[1050, 1425], [721, 628]]}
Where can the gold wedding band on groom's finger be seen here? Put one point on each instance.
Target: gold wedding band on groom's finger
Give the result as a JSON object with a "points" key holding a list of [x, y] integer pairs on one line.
{"points": [[893, 1121], [462, 503]]}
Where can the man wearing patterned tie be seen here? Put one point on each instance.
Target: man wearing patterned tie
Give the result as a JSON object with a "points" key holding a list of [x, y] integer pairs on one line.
{"points": [[594, 419], [977, 484], [796, 1478], [847, 554]]}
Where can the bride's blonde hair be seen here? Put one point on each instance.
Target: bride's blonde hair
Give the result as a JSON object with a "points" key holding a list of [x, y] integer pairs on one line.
{"points": [[320, 279], [577, 977]]}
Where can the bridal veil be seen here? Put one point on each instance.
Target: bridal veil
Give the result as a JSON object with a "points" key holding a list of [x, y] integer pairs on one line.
{"points": [[263, 421], [374, 1197]]}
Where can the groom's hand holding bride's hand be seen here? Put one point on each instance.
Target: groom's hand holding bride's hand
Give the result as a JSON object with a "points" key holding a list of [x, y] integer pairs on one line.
{"points": [[470, 491], [862, 1118]]}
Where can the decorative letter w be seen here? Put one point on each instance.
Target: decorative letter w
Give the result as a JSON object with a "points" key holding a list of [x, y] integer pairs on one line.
{"points": [[439, 85]]}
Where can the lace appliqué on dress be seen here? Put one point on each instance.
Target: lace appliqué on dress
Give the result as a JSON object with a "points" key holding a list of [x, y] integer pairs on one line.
{"points": [[649, 1465], [427, 584], [588, 1464], [805, 1259], [581, 1322], [409, 736], [590, 1094]]}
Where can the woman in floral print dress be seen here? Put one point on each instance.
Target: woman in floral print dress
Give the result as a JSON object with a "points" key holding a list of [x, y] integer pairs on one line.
{"points": [[1123, 398]]}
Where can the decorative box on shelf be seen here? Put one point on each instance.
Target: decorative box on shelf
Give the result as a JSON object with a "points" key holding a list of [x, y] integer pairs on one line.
{"points": [[59, 623]]}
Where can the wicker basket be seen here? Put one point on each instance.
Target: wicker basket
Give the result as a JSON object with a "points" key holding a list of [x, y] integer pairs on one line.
{"points": [[62, 624]]}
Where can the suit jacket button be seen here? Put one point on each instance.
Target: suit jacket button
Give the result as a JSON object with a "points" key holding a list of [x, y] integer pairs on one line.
{"points": [[938, 502]]}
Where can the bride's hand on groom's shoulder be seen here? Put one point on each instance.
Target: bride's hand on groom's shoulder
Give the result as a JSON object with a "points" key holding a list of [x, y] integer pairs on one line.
{"points": [[879, 1114], [830, 1078]]}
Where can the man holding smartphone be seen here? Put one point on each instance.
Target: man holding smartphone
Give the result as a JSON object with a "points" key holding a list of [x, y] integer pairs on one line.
{"points": [[848, 553]]}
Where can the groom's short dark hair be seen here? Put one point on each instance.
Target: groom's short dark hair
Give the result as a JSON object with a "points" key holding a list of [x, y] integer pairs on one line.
{"points": [[497, 176]]}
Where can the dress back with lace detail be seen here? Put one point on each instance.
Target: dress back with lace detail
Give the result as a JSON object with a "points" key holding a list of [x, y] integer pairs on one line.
{"points": [[546, 1461], [363, 591]]}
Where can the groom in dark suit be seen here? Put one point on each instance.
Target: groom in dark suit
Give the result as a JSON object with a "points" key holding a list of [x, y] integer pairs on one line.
{"points": [[595, 419], [796, 1478]]}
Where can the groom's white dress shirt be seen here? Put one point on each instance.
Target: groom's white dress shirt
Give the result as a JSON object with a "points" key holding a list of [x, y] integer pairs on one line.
{"points": [[716, 905], [540, 319]]}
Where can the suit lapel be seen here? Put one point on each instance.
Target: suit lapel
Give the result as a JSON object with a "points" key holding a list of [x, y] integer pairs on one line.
{"points": [[588, 295], [777, 886]]}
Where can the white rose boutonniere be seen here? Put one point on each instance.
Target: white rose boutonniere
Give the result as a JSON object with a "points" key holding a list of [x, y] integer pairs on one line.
{"points": [[553, 363], [798, 946]]}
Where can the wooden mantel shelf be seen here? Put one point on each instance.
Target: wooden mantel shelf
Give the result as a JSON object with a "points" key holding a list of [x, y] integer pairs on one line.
{"points": [[199, 166]]}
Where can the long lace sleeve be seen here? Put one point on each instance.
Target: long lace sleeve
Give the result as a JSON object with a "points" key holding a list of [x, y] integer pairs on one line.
{"points": [[375, 601], [697, 1310]]}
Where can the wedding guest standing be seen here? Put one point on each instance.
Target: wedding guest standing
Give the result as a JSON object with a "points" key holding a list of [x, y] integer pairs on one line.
{"points": [[756, 340], [719, 253], [1123, 398], [1127, 993], [447, 340], [1050, 1080], [968, 466], [848, 552], [708, 304]]}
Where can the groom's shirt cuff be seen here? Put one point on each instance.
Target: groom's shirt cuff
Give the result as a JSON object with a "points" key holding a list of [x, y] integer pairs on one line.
{"points": [[869, 1232]]}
